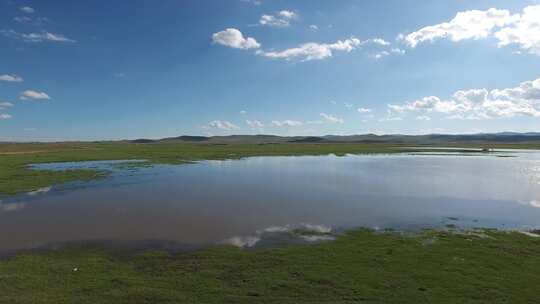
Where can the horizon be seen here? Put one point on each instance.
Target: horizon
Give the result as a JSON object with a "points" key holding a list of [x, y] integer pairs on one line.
{"points": [[283, 68], [503, 133]]}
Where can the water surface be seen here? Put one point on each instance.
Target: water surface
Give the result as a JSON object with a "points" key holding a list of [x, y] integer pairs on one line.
{"points": [[239, 201]]}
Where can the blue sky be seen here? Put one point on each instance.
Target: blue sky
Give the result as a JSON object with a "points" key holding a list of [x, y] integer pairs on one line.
{"points": [[130, 69]]}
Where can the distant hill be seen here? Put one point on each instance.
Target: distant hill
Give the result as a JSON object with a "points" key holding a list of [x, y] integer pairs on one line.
{"points": [[480, 138]]}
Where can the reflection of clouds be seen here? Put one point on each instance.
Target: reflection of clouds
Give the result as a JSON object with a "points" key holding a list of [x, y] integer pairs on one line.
{"points": [[39, 191], [317, 238], [242, 241], [316, 228], [535, 204], [274, 229], [302, 227], [527, 233], [307, 232], [5, 207]]}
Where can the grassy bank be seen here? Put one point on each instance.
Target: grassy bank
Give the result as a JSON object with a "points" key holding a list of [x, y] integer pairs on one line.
{"points": [[359, 267]]}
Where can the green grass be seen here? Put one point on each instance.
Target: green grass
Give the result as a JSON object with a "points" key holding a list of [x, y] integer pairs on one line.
{"points": [[359, 267]]}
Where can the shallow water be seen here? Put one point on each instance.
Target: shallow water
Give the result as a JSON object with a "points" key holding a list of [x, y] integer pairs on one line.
{"points": [[243, 201]]}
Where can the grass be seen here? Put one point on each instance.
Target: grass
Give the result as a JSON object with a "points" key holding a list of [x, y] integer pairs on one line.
{"points": [[359, 267]]}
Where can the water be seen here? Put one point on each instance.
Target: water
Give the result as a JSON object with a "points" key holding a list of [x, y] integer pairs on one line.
{"points": [[243, 201]]}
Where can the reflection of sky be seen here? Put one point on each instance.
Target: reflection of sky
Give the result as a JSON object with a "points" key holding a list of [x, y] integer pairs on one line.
{"points": [[210, 201]]}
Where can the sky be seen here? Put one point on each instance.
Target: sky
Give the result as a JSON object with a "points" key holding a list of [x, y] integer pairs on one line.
{"points": [[96, 70]]}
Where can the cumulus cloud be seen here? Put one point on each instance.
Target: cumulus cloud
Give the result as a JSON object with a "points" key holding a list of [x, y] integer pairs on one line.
{"points": [[281, 19], [364, 110], [286, 123], [222, 125], [523, 100], [378, 41], [254, 123], [522, 29], [36, 37], [36, 95], [473, 24], [331, 119], [10, 78], [314, 51], [525, 32], [314, 27], [27, 9], [233, 38]]}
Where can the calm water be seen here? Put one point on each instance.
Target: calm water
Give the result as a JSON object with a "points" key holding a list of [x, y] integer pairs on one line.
{"points": [[244, 201]]}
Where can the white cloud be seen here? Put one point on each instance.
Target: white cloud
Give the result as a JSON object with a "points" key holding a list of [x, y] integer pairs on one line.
{"points": [[473, 24], [243, 112], [364, 110], [4, 116], [27, 9], [397, 51], [384, 53], [254, 123], [522, 29], [314, 51], [31, 94], [222, 125], [381, 54], [379, 41], [286, 123], [348, 105], [523, 100], [314, 27], [288, 14], [10, 78], [525, 32], [36, 37], [331, 119], [281, 19], [233, 38]]}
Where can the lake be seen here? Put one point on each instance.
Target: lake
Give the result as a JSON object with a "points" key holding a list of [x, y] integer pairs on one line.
{"points": [[259, 200]]}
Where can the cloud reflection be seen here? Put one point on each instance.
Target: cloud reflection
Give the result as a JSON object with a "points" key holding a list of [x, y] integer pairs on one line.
{"points": [[10, 207]]}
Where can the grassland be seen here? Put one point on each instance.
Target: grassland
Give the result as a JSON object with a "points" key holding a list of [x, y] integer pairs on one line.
{"points": [[359, 267]]}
